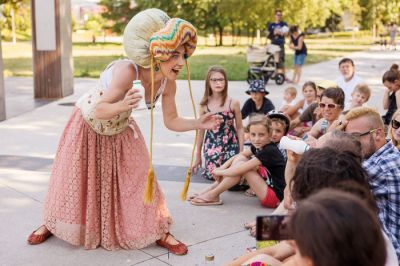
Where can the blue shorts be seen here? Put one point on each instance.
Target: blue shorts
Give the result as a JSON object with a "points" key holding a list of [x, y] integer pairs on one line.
{"points": [[299, 59]]}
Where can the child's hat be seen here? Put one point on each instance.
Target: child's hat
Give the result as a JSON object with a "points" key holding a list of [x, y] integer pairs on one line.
{"points": [[280, 115], [257, 85], [325, 84]]}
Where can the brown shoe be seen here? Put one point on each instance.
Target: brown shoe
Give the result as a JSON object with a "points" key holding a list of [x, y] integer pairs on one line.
{"points": [[38, 239], [178, 249]]}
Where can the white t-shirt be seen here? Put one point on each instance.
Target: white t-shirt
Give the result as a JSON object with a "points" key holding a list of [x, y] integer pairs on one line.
{"points": [[391, 257], [348, 88]]}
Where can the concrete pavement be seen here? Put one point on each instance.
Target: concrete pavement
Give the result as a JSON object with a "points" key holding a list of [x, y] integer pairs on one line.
{"points": [[28, 141]]}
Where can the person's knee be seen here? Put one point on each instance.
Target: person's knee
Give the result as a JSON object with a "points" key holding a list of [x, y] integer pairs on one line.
{"points": [[240, 158]]}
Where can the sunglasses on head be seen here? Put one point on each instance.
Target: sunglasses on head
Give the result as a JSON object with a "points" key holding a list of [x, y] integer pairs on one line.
{"points": [[395, 124], [329, 105]]}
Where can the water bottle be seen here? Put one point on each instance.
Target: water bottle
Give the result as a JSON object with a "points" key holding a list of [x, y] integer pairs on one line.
{"points": [[296, 145], [137, 84]]}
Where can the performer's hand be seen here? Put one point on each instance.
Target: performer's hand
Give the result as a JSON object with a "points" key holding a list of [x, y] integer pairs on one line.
{"points": [[131, 100], [196, 165], [210, 121]]}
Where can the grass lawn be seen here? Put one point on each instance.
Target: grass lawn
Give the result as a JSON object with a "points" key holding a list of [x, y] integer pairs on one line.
{"points": [[91, 59]]}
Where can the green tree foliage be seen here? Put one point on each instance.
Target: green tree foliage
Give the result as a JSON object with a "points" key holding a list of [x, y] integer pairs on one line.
{"points": [[239, 17], [119, 12], [378, 13], [17, 13]]}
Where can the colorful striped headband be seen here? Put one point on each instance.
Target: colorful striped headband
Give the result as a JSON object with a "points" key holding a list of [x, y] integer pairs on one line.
{"points": [[176, 32]]}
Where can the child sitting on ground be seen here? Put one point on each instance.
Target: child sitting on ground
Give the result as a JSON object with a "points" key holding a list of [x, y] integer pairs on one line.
{"points": [[289, 95], [257, 103], [262, 166], [280, 126], [309, 92], [359, 96]]}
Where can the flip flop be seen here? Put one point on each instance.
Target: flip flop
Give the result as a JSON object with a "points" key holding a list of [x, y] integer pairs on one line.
{"points": [[249, 193], [194, 195], [205, 202]]}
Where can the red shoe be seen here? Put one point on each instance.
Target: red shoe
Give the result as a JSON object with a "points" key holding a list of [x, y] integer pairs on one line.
{"points": [[38, 239], [178, 249]]}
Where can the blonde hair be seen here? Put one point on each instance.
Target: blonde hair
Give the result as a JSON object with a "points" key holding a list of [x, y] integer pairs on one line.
{"points": [[391, 129], [259, 119], [374, 118], [292, 91], [363, 89]]}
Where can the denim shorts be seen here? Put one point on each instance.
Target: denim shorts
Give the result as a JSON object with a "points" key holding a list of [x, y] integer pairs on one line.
{"points": [[299, 59]]}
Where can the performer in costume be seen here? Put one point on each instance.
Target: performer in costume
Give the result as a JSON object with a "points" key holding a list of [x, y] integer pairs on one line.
{"points": [[98, 180]]}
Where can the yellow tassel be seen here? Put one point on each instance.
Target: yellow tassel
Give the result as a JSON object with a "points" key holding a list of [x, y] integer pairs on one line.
{"points": [[186, 185], [148, 195], [189, 171]]}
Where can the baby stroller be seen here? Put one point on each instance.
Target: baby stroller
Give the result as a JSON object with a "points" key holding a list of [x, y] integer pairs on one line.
{"points": [[263, 64]]}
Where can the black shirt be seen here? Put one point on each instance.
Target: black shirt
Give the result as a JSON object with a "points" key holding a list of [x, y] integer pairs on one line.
{"points": [[250, 107], [272, 159], [276, 39], [391, 110], [295, 42]]}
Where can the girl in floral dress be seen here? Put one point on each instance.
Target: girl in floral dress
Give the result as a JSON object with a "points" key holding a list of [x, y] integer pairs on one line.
{"points": [[226, 141]]}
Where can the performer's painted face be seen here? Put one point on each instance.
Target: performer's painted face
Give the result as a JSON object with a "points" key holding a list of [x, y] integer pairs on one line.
{"points": [[171, 68]]}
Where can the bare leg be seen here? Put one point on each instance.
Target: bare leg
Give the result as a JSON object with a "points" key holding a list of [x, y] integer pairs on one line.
{"points": [[280, 210], [257, 184], [298, 75], [226, 183]]}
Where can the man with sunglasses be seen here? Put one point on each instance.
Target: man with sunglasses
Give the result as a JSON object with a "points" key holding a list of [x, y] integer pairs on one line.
{"points": [[276, 33], [381, 160]]}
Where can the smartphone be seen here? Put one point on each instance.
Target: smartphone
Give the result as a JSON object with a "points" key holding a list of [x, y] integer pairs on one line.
{"points": [[272, 227]]}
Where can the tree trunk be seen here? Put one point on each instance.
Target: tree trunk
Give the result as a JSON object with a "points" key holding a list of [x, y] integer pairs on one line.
{"points": [[14, 35], [239, 36], [233, 33], [221, 34]]}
